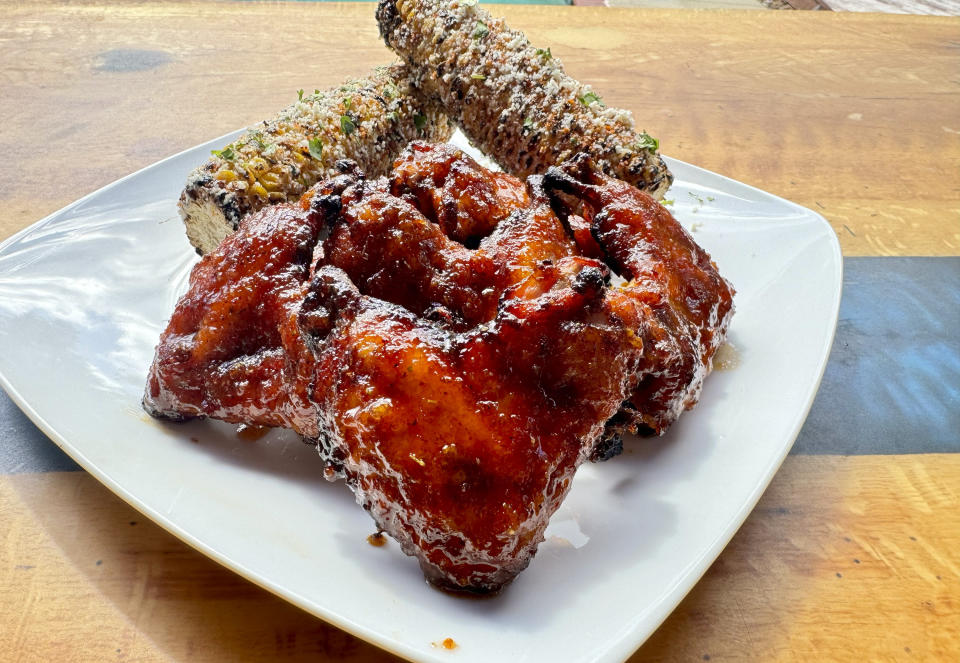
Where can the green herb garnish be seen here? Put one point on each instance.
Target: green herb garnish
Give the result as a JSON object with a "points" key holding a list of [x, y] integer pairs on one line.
{"points": [[480, 30], [299, 95], [544, 53], [590, 98], [647, 142], [316, 148], [346, 125], [257, 137], [420, 122], [528, 123], [347, 103], [226, 153], [478, 77]]}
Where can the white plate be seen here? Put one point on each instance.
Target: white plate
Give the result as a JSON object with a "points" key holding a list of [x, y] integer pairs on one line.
{"points": [[84, 295]]}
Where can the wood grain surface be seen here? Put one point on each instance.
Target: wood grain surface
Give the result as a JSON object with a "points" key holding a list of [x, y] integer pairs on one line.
{"points": [[854, 116], [844, 558]]}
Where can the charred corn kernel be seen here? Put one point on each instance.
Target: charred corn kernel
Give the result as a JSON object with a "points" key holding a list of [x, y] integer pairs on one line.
{"points": [[258, 166], [512, 100], [271, 182], [257, 190], [367, 120]]}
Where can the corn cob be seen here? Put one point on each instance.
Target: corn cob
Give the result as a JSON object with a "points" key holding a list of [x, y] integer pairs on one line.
{"points": [[367, 120], [512, 100]]}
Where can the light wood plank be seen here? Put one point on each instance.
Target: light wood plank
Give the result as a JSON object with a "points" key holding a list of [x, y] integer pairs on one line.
{"points": [[844, 559], [854, 116], [84, 577]]}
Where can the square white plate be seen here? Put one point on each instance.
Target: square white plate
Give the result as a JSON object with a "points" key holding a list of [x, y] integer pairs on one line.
{"points": [[85, 293]]}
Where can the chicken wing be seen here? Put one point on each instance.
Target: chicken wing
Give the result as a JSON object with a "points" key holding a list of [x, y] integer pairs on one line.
{"points": [[232, 349], [684, 304], [455, 356]]}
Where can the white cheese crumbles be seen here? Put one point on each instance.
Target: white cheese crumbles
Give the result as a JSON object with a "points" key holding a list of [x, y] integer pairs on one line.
{"points": [[513, 100]]}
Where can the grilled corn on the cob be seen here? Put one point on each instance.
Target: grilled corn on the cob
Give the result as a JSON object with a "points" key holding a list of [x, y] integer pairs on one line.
{"points": [[513, 100], [367, 120]]}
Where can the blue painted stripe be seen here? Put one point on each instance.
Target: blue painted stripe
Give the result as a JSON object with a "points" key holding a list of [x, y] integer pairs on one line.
{"points": [[892, 385], [23, 448]]}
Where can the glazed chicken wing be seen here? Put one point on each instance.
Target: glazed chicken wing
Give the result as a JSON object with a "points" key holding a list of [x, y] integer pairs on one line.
{"points": [[461, 445], [460, 432], [456, 357], [683, 303], [232, 348]]}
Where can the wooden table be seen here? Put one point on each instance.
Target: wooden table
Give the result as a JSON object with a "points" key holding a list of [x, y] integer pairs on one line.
{"points": [[852, 554]]}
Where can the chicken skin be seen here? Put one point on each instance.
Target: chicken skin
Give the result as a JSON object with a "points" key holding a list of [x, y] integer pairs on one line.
{"points": [[684, 301], [452, 340], [232, 348]]}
